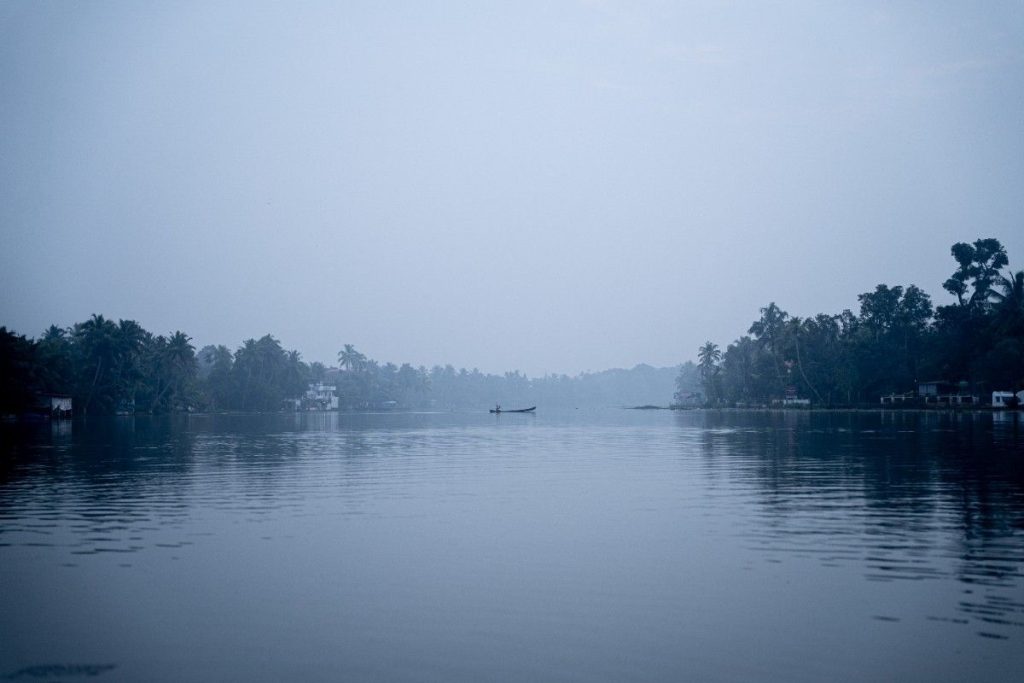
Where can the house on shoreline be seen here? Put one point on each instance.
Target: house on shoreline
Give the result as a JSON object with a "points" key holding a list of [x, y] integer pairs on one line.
{"points": [[1005, 399], [941, 392], [318, 397], [42, 407], [58, 406]]}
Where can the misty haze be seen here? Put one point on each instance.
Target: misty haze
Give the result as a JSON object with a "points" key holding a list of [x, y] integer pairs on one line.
{"points": [[575, 340]]}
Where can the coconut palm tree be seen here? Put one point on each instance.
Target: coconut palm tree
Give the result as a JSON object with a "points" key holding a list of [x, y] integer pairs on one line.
{"points": [[769, 330], [708, 356], [1010, 302], [174, 364], [96, 344], [55, 361], [296, 375], [132, 341], [1012, 294], [351, 360]]}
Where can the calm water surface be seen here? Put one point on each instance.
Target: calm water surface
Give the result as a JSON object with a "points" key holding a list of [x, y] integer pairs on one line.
{"points": [[597, 546]]}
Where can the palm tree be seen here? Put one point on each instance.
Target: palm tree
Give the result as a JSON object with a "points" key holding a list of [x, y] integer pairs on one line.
{"points": [[56, 364], [180, 352], [350, 359], [769, 331], [220, 381], [1010, 301], [796, 327], [296, 374], [176, 364], [132, 340], [1012, 296], [96, 341], [708, 357]]}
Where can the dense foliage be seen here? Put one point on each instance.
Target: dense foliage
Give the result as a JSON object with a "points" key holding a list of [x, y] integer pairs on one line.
{"points": [[896, 340], [109, 367], [105, 366]]}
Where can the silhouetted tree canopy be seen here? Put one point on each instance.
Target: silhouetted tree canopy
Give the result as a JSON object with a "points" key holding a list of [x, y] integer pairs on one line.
{"points": [[895, 340]]}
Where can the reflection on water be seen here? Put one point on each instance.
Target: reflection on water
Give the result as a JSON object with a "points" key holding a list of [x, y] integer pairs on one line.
{"points": [[905, 496], [608, 545]]}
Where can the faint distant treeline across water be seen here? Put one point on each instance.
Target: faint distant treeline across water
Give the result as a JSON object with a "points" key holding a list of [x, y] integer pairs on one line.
{"points": [[109, 367], [895, 341]]}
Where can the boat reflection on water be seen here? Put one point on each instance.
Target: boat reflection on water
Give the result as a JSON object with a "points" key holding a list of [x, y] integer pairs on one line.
{"points": [[499, 409]]}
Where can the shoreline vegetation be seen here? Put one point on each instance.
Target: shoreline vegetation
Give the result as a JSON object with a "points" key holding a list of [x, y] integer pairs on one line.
{"points": [[896, 342], [848, 360], [864, 408], [110, 368]]}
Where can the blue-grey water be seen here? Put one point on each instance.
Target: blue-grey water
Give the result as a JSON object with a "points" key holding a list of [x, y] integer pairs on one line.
{"points": [[588, 546]]}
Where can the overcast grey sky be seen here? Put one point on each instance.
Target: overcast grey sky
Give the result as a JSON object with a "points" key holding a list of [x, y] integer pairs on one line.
{"points": [[550, 186]]}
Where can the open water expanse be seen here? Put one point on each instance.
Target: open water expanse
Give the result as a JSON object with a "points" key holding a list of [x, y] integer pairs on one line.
{"points": [[589, 546]]}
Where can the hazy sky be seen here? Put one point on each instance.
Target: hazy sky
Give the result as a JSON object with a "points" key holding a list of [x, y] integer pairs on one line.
{"points": [[550, 187]]}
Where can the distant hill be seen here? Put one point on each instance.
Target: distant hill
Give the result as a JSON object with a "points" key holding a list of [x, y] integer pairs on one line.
{"points": [[640, 385]]}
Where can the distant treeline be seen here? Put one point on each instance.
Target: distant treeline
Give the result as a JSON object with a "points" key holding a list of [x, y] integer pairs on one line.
{"points": [[896, 340], [108, 367]]}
